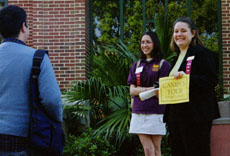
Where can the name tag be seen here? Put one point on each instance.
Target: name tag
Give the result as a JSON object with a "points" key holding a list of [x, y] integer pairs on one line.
{"points": [[190, 58], [189, 64], [139, 70]]}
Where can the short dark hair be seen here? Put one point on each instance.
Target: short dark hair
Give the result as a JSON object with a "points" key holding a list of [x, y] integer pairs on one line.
{"points": [[156, 52], [195, 40], [11, 19]]}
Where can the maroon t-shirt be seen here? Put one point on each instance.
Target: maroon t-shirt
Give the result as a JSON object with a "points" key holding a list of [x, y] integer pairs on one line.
{"points": [[149, 75]]}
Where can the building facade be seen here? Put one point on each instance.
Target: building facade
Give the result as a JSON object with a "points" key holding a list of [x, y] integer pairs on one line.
{"points": [[225, 8], [62, 27]]}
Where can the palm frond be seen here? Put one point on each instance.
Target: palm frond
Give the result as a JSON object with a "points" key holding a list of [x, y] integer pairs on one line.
{"points": [[92, 88], [161, 21], [113, 63], [115, 125]]}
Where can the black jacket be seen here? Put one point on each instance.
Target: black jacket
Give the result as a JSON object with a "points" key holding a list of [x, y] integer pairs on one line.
{"points": [[202, 105]]}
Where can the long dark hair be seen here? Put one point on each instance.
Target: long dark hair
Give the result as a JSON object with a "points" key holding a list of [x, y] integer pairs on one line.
{"points": [[156, 52], [195, 40]]}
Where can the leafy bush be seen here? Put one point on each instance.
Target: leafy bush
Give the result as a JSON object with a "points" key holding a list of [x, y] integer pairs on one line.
{"points": [[88, 145], [77, 114], [130, 147], [165, 148]]}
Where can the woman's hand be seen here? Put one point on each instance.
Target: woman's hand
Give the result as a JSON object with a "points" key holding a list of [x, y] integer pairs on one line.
{"points": [[136, 90], [157, 93], [179, 75]]}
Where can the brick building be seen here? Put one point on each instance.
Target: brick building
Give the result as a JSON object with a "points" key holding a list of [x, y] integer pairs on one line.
{"points": [[225, 7], [62, 27]]}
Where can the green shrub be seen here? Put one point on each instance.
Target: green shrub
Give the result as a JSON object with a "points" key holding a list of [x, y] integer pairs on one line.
{"points": [[165, 149], [88, 145], [130, 147], [75, 119]]}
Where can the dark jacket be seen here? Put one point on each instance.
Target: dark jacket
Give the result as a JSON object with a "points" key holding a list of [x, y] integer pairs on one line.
{"points": [[202, 105]]}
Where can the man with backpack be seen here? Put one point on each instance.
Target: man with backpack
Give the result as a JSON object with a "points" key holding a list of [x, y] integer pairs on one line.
{"points": [[16, 60]]}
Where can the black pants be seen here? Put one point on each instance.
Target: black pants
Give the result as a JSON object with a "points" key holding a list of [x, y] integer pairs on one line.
{"points": [[190, 139]]}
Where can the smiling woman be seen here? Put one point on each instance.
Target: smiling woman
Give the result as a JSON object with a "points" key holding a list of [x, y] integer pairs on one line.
{"points": [[189, 123], [183, 36], [147, 115], [147, 46]]}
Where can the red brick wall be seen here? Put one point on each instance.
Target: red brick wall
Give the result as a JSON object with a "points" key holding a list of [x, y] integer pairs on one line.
{"points": [[226, 42], [61, 27]]}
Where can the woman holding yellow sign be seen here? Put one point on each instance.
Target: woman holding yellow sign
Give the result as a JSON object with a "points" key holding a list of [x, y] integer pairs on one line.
{"points": [[147, 114], [189, 123]]}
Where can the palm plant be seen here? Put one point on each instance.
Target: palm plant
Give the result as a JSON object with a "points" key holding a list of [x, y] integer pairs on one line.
{"points": [[89, 96], [117, 61], [162, 26], [112, 63], [106, 92], [117, 122]]}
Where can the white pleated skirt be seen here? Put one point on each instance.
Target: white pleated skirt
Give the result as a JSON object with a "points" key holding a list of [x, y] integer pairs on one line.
{"points": [[151, 124]]}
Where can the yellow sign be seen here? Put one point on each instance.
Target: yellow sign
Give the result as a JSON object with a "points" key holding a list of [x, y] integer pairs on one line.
{"points": [[174, 91]]}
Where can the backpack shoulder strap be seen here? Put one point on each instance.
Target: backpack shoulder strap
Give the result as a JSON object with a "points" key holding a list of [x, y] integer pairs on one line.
{"points": [[37, 60], [156, 84], [161, 63], [34, 91], [138, 63]]}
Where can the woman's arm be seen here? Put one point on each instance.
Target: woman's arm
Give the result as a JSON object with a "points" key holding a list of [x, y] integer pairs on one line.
{"points": [[136, 90]]}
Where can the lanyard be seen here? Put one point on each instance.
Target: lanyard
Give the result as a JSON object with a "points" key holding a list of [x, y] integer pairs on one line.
{"points": [[138, 76], [188, 67]]}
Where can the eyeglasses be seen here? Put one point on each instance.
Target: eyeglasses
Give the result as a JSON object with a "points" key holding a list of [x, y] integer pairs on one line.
{"points": [[147, 42]]}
